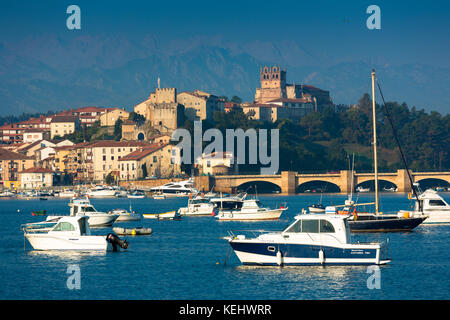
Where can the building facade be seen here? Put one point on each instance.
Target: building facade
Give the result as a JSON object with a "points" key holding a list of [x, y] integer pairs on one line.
{"points": [[11, 163], [36, 178]]}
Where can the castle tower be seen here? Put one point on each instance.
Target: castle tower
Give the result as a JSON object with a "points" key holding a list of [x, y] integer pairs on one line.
{"points": [[273, 77], [273, 84]]}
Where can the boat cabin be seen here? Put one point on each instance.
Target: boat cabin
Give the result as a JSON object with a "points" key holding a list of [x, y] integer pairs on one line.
{"points": [[319, 227], [76, 226], [431, 201]]}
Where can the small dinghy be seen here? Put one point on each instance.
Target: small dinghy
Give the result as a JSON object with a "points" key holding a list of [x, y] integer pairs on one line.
{"points": [[171, 215], [132, 231], [39, 213]]}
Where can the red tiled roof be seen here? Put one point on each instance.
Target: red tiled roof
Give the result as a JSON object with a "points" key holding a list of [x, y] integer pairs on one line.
{"points": [[141, 153], [10, 155], [64, 119], [36, 170]]}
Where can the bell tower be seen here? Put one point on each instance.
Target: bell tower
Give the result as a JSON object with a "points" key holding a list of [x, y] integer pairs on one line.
{"points": [[273, 84], [273, 77]]}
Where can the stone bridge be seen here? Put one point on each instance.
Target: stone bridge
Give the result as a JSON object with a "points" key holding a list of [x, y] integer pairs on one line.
{"points": [[289, 181]]}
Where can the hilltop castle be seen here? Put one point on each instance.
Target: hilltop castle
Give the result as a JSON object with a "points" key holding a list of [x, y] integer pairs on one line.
{"points": [[274, 87]]}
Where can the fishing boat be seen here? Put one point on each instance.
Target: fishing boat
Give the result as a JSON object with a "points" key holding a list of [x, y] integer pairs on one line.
{"points": [[378, 222], [136, 195], [176, 189], [132, 231], [197, 206], [125, 216], [231, 202], [69, 233], [171, 215], [251, 209], [431, 204], [312, 239]]}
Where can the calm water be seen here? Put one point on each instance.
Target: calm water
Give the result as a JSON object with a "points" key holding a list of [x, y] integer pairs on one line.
{"points": [[184, 259]]}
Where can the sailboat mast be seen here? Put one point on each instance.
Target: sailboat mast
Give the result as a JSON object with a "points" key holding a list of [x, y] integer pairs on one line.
{"points": [[375, 160]]}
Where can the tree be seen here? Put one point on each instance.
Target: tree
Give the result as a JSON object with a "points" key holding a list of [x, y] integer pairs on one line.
{"points": [[118, 129], [236, 99], [109, 178], [136, 117]]}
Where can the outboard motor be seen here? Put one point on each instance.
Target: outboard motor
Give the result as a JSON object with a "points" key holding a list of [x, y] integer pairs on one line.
{"points": [[116, 241]]}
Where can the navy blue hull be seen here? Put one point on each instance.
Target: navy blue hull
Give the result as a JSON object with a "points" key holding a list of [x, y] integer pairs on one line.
{"points": [[384, 224], [304, 251]]}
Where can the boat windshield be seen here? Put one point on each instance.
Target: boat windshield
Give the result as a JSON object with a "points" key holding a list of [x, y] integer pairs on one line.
{"points": [[311, 226], [88, 209]]}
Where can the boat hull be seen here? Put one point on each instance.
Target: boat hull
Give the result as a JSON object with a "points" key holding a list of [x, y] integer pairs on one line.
{"points": [[266, 254], [50, 242], [385, 224], [165, 215], [126, 217], [244, 216]]}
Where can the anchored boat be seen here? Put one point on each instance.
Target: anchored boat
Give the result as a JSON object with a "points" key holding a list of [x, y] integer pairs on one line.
{"points": [[312, 239], [171, 215], [197, 206], [69, 233], [251, 209]]}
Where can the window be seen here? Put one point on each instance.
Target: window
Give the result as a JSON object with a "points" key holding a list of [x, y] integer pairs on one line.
{"points": [[310, 226], [64, 226], [437, 203], [297, 227], [326, 227], [104, 158], [112, 157], [155, 158]]}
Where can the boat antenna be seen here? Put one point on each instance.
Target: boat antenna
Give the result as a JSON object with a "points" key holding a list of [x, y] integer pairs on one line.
{"points": [[375, 142], [388, 115]]}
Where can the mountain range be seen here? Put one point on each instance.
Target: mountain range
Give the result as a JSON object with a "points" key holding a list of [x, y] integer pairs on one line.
{"points": [[52, 72]]}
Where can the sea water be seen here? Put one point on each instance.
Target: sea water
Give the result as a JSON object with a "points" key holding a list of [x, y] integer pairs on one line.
{"points": [[187, 259]]}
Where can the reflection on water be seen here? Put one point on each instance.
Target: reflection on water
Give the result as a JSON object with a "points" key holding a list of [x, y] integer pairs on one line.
{"points": [[66, 255], [178, 261]]}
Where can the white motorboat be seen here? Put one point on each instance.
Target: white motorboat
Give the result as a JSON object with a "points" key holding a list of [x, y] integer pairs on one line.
{"points": [[197, 206], [158, 196], [136, 195], [83, 207], [431, 204], [67, 193], [361, 189], [69, 233], [251, 209], [100, 191], [313, 239], [124, 215], [176, 189], [171, 215], [7, 194]]}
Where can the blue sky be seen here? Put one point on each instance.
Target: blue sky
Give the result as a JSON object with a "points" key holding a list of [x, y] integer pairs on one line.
{"points": [[411, 30], [324, 33]]}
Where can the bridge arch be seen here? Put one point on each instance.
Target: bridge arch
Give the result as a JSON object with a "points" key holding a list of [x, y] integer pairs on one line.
{"points": [[427, 183], [382, 184], [258, 186], [318, 186]]}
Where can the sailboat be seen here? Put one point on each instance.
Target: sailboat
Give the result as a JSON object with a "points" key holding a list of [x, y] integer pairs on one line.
{"points": [[378, 222]]}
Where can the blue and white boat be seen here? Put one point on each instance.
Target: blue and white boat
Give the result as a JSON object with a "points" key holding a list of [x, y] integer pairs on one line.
{"points": [[313, 239]]}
